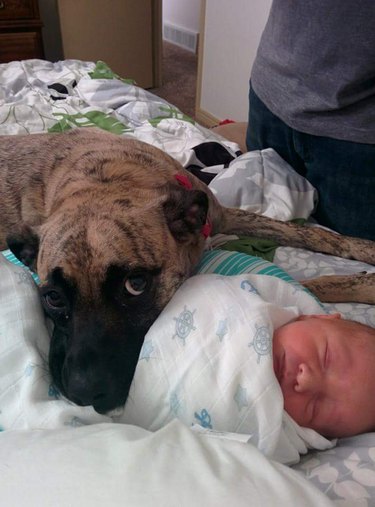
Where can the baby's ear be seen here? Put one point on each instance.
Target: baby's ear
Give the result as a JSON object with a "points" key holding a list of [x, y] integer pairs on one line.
{"points": [[320, 316]]}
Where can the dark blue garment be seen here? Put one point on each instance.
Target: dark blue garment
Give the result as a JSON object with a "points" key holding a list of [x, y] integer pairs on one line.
{"points": [[343, 172]]}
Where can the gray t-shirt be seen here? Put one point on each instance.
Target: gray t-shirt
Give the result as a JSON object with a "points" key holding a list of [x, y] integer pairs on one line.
{"points": [[315, 67]]}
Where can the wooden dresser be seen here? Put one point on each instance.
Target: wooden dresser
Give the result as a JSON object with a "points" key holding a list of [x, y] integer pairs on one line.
{"points": [[20, 30]]}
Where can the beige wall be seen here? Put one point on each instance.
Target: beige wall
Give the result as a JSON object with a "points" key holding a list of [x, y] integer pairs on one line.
{"points": [[182, 13], [230, 38]]}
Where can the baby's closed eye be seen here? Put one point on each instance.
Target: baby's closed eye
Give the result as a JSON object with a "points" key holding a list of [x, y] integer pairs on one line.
{"points": [[326, 357]]}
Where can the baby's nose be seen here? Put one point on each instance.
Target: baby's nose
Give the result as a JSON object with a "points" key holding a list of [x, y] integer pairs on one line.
{"points": [[306, 379]]}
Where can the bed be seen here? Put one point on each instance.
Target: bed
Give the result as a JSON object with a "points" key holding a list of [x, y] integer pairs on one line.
{"points": [[118, 464]]}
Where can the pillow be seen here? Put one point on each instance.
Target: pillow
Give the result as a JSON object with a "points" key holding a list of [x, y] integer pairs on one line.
{"points": [[28, 398], [262, 182]]}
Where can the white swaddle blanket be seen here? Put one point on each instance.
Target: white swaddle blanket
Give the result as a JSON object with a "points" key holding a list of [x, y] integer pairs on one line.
{"points": [[207, 361]]}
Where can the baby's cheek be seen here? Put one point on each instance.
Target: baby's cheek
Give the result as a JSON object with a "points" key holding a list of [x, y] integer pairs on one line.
{"points": [[295, 406]]}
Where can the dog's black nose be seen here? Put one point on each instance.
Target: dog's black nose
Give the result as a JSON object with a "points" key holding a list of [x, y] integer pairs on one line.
{"points": [[82, 389]]}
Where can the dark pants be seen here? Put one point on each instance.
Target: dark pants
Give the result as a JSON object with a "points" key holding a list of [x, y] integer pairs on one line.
{"points": [[343, 172]]}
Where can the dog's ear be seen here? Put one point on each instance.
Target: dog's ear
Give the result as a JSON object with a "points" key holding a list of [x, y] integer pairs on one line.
{"points": [[24, 245], [186, 212]]}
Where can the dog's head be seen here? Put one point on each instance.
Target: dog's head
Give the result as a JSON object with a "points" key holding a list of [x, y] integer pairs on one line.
{"points": [[110, 256]]}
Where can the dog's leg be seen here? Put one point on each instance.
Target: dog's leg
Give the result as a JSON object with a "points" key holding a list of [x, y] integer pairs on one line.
{"points": [[343, 288], [237, 221]]}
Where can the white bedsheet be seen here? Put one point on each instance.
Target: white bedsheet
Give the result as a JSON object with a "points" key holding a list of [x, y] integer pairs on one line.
{"points": [[121, 465]]}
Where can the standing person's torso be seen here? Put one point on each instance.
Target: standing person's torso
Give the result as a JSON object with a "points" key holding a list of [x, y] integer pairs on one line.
{"points": [[315, 67]]}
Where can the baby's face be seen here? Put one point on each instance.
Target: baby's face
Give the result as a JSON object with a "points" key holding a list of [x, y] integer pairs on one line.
{"points": [[326, 369]]}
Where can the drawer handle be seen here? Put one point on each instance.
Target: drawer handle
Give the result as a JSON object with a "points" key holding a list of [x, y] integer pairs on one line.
{"points": [[2, 5]]}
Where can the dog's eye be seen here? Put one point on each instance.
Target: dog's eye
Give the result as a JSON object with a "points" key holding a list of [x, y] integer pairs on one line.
{"points": [[136, 284], [53, 300]]}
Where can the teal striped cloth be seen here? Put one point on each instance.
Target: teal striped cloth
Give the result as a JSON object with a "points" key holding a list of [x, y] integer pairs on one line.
{"points": [[224, 262], [12, 258], [221, 262]]}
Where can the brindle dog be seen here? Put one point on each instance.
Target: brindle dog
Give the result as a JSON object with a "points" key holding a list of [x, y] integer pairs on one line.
{"points": [[113, 226]]}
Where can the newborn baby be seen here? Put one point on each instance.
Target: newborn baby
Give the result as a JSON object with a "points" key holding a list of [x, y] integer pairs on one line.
{"points": [[229, 353], [325, 367], [208, 361]]}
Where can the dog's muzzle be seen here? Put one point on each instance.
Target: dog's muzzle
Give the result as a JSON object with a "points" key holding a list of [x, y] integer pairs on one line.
{"points": [[92, 386], [99, 374]]}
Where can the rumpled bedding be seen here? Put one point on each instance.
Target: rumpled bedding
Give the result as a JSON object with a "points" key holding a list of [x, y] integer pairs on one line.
{"points": [[262, 182], [121, 465], [38, 96]]}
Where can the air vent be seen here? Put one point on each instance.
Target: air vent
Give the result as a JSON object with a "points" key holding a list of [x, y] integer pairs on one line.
{"points": [[181, 37]]}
